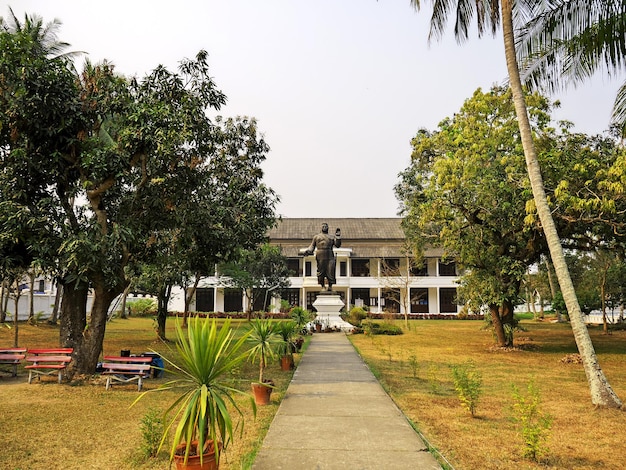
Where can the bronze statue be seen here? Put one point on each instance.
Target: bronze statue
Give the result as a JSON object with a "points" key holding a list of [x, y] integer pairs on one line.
{"points": [[324, 256]]}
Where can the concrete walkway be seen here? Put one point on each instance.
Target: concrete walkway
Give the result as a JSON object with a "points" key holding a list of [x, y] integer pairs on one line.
{"points": [[335, 415]]}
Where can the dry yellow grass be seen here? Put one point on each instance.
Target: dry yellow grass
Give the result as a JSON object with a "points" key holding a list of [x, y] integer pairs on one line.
{"points": [[581, 437], [80, 425]]}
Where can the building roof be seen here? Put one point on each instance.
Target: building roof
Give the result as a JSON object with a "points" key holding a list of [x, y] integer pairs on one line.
{"points": [[351, 229]]}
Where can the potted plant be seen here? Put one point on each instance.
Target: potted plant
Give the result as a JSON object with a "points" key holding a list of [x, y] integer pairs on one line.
{"points": [[207, 354], [286, 330], [301, 318], [264, 341]]}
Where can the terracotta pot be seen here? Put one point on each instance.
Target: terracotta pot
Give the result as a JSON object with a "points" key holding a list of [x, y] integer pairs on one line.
{"points": [[262, 392], [193, 461], [286, 362]]}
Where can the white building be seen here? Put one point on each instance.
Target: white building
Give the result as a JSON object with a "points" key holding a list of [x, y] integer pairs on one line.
{"points": [[372, 270]]}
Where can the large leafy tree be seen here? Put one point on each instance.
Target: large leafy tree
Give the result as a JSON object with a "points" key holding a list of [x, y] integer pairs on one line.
{"points": [[94, 165], [489, 14], [257, 272], [466, 191]]}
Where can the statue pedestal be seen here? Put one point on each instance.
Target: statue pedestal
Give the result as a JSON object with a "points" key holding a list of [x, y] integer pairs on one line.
{"points": [[328, 306]]}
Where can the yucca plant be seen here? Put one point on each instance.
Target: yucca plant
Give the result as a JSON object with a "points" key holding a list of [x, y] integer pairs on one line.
{"points": [[264, 342], [207, 354], [286, 330]]}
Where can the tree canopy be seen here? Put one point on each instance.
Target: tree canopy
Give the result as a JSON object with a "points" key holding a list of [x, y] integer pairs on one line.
{"points": [[96, 168]]}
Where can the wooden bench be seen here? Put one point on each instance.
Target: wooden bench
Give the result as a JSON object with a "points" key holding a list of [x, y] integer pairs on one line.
{"points": [[48, 362], [12, 357], [126, 369]]}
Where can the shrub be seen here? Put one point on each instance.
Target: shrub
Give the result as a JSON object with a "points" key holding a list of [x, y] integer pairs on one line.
{"points": [[142, 307], [534, 424], [357, 315], [151, 431], [388, 329], [468, 385]]}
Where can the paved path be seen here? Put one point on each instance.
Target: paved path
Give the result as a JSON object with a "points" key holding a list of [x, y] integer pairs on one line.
{"points": [[335, 415]]}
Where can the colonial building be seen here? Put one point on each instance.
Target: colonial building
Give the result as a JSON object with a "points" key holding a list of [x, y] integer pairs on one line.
{"points": [[373, 268]]}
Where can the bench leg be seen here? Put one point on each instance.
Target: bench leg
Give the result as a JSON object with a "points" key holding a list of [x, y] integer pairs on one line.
{"points": [[60, 376], [30, 376], [14, 370], [108, 384], [139, 384]]}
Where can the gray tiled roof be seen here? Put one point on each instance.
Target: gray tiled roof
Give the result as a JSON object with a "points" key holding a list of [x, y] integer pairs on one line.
{"points": [[351, 228]]}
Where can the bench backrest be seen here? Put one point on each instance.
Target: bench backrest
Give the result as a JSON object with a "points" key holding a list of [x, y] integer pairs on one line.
{"points": [[51, 351]]}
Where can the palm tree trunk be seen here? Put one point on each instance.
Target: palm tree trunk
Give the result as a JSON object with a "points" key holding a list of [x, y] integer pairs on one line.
{"points": [[601, 392]]}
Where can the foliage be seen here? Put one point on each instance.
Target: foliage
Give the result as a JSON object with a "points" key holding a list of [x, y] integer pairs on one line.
{"points": [[151, 431], [286, 330], [301, 317], [263, 340], [256, 271], [142, 307], [468, 384], [533, 423], [207, 354], [357, 315]]}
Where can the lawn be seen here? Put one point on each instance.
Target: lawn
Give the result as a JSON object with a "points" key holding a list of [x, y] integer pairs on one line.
{"points": [[80, 425], [415, 368]]}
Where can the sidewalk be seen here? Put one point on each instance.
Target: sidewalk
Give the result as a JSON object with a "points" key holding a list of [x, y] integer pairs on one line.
{"points": [[335, 415]]}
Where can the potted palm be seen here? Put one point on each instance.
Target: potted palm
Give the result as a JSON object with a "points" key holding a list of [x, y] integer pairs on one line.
{"points": [[264, 341], [207, 354], [286, 330], [301, 318]]}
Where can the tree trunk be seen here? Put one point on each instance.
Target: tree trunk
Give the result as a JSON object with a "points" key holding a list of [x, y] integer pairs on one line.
{"points": [[162, 302], [86, 339], [498, 327], [124, 296], [31, 297], [57, 301], [4, 292], [601, 392], [188, 296]]}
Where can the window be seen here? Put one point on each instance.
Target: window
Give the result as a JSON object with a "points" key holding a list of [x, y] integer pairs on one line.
{"points": [[419, 270], [310, 298], [204, 300], [233, 300], [447, 269], [447, 300], [307, 268], [392, 300], [293, 266], [343, 268], [360, 267], [419, 300], [390, 267], [41, 286], [292, 296], [360, 294]]}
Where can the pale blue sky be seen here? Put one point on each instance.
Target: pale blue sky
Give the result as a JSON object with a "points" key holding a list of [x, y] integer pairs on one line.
{"points": [[338, 87]]}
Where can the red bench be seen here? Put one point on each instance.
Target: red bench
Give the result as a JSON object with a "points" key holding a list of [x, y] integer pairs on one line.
{"points": [[12, 357], [48, 362], [126, 369]]}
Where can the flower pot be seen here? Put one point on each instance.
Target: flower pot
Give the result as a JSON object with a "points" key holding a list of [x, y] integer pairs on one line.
{"points": [[286, 362], [262, 392], [318, 327], [209, 462]]}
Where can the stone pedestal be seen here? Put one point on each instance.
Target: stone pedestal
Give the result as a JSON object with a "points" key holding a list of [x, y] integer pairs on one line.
{"points": [[328, 305]]}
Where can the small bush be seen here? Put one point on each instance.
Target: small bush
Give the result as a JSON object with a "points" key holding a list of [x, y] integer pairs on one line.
{"points": [[152, 432], [388, 329], [142, 307], [468, 385], [533, 423], [356, 316]]}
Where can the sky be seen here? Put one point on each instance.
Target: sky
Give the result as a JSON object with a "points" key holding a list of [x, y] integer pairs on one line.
{"points": [[338, 88]]}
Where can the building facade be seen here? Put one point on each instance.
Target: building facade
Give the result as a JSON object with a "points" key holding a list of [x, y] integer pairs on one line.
{"points": [[372, 268]]}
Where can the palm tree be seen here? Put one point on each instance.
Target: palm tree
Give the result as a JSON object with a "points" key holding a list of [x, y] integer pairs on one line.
{"points": [[556, 51], [488, 16]]}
